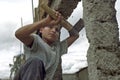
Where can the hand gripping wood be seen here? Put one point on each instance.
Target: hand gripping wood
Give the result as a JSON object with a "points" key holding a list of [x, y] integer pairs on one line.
{"points": [[51, 12]]}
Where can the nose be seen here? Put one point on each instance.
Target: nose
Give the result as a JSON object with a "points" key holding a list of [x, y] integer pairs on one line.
{"points": [[53, 30]]}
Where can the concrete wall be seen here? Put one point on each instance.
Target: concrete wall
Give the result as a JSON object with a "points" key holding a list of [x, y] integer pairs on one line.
{"points": [[103, 36]]}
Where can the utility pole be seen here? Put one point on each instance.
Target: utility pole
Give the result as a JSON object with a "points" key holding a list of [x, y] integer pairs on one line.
{"points": [[32, 9], [21, 46]]}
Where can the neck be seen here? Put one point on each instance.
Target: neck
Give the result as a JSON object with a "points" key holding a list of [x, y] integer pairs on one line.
{"points": [[48, 42]]}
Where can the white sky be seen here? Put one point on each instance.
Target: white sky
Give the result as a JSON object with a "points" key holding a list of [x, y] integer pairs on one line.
{"points": [[11, 12]]}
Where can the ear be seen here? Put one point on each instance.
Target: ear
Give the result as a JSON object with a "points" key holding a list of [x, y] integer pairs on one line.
{"points": [[41, 29]]}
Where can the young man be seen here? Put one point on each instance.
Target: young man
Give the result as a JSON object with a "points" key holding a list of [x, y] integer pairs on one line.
{"points": [[43, 52]]}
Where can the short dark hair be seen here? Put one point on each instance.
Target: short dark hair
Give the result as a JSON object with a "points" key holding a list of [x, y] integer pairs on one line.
{"points": [[39, 33]]}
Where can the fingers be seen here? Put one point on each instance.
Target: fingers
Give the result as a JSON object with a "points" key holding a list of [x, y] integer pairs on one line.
{"points": [[50, 21], [57, 14], [59, 17], [57, 20], [49, 17]]}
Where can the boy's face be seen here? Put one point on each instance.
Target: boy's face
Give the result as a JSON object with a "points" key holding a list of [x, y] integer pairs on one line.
{"points": [[50, 33]]}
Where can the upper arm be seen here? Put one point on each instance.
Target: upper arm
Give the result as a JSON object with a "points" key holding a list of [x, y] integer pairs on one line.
{"points": [[28, 40], [71, 39], [66, 43]]}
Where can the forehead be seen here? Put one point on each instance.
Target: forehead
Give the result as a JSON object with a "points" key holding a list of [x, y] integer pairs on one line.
{"points": [[57, 26]]}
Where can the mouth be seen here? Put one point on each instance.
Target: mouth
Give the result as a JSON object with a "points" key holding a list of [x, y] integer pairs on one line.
{"points": [[52, 34]]}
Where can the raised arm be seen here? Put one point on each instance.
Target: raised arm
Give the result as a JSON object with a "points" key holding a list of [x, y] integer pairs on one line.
{"points": [[74, 32], [24, 33]]}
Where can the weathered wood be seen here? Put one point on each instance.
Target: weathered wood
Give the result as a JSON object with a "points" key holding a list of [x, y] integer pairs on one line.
{"points": [[59, 5], [65, 7], [41, 12]]}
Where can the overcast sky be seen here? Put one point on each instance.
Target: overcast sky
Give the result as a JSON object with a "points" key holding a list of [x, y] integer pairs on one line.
{"points": [[10, 20], [11, 12]]}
